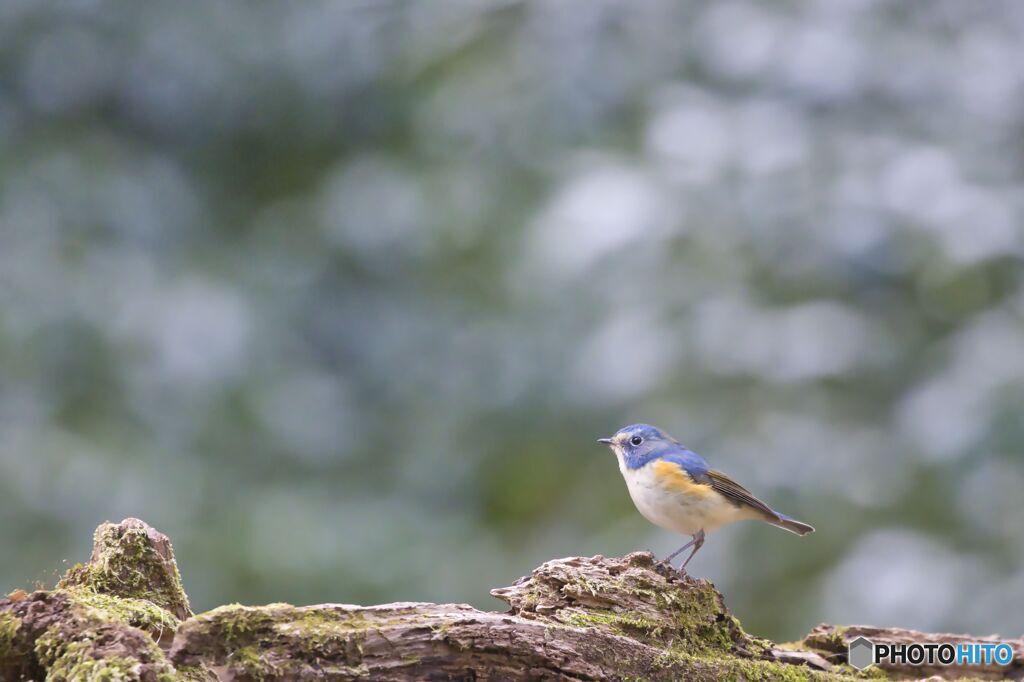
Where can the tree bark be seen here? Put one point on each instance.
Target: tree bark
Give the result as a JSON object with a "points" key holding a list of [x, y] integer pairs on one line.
{"points": [[124, 616]]}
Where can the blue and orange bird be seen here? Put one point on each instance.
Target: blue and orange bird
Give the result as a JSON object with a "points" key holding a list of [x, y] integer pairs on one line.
{"points": [[674, 488]]}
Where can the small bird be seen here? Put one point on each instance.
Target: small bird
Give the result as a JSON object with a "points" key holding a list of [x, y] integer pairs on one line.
{"points": [[674, 488]]}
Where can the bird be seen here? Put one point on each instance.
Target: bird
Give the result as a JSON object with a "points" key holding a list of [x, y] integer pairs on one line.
{"points": [[675, 489]]}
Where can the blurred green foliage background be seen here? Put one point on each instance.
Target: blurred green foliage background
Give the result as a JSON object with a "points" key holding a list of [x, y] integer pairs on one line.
{"points": [[340, 294]]}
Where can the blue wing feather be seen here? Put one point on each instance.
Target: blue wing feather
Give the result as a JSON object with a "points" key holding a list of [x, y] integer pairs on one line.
{"points": [[689, 460]]}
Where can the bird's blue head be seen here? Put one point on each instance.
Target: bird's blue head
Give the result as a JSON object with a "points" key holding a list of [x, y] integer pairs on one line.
{"points": [[637, 444]]}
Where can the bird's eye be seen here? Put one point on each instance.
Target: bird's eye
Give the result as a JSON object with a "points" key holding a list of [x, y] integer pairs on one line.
{"points": [[636, 440]]}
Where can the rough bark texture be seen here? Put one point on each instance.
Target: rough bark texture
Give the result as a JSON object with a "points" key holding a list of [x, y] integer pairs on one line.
{"points": [[124, 616]]}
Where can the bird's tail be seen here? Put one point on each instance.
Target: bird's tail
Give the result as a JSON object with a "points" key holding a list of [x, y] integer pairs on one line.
{"points": [[791, 524]]}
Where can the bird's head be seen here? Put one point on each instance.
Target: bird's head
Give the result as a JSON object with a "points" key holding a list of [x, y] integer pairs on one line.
{"points": [[636, 441]]}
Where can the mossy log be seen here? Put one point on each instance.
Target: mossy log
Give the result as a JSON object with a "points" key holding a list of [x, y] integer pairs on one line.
{"points": [[125, 616]]}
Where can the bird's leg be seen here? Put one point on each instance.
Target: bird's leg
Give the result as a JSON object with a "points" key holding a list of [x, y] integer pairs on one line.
{"points": [[697, 542], [679, 551]]}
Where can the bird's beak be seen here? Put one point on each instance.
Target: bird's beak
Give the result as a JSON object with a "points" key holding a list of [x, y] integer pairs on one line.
{"points": [[605, 441]]}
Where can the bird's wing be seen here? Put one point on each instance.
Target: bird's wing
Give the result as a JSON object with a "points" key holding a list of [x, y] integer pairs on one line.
{"points": [[689, 461], [682, 471], [737, 493]]}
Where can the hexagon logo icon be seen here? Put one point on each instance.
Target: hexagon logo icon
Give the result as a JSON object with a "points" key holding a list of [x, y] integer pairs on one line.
{"points": [[861, 653]]}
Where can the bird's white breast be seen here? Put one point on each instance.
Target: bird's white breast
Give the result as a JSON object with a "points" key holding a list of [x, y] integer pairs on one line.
{"points": [[676, 510]]}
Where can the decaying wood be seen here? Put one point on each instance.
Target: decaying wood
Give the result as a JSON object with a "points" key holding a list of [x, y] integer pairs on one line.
{"points": [[124, 616]]}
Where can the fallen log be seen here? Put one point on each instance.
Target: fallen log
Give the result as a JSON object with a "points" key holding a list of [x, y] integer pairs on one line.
{"points": [[125, 616]]}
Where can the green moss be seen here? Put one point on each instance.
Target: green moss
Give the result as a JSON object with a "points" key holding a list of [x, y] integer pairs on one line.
{"points": [[324, 622], [80, 658], [248, 660], [238, 626], [105, 617], [327, 633], [771, 671], [834, 641], [695, 633], [9, 625], [766, 671], [622, 623], [14, 646], [440, 629], [693, 619], [248, 634], [126, 564], [587, 586], [246, 631], [140, 613], [185, 673], [731, 667], [76, 664], [71, 661], [701, 619], [78, 644]]}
